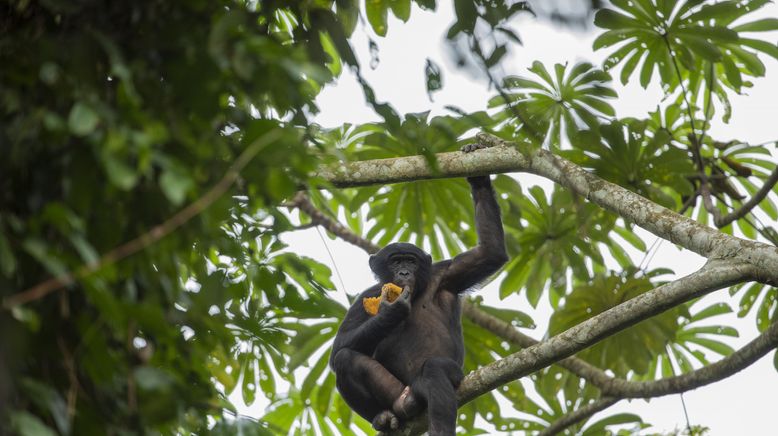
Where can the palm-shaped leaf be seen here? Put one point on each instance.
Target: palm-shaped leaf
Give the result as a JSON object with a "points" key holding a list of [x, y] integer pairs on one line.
{"points": [[766, 296], [630, 155], [431, 213], [632, 349], [556, 403], [685, 350], [565, 102], [553, 237], [666, 35]]}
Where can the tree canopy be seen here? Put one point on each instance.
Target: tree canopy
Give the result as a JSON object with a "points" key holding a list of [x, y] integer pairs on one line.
{"points": [[156, 153]]}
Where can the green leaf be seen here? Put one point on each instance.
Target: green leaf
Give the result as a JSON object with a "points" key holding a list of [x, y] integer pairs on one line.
{"points": [[27, 424], [249, 388], [630, 237], [175, 183], [434, 78], [119, 173], [49, 400], [82, 119], [152, 379], [599, 427], [715, 11], [612, 37], [514, 317], [713, 345], [704, 48], [496, 55], [376, 11], [466, 14], [401, 9], [41, 252], [348, 16], [609, 19], [711, 311], [763, 25]]}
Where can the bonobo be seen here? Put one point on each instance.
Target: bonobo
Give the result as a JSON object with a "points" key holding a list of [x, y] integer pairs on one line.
{"points": [[392, 363]]}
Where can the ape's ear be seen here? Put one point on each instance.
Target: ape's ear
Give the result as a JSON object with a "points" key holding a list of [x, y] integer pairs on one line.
{"points": [[373, 262]]}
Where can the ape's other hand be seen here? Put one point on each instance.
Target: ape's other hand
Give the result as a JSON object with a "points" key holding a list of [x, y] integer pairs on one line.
{"points": [[400, 307], [476, 181]]}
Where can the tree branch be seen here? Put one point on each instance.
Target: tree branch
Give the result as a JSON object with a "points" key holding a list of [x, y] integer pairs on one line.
{"points": [[302, 202], [622, 388], [760, 195], [502, 329], [511, 157], [712, 276]]}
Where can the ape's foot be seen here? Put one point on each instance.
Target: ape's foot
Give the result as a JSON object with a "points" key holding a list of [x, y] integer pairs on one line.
{"points": [[407, 405], [386, 421]]}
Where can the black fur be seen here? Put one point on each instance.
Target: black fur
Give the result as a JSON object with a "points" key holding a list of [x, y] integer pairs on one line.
{"points": [[417, 340]]}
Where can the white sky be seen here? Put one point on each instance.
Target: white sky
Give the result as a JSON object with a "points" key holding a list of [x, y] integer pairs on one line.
{"points": [[744, 404]]}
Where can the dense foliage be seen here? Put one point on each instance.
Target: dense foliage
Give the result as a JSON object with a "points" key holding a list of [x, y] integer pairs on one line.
{"points": [[149, 148]]}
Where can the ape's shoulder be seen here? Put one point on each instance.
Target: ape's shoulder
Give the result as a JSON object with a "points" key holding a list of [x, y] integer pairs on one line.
{"points": [[440, 266]]}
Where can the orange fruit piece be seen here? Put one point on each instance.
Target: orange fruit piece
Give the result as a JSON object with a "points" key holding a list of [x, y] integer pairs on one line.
{"points": [[371, 304], [390, 291]]}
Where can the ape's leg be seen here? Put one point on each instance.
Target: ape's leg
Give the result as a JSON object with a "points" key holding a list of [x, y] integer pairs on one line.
{"points": [[368, 388], [437, 384]]}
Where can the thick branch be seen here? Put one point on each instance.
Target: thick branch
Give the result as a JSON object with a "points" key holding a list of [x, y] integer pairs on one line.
{"points": [[577, 366], [621, 388], [508, 157], [711, 277], [410, 168], [736, 362]]}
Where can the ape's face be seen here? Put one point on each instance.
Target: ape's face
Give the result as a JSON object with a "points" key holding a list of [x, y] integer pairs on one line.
{"points": [[403, 268]]}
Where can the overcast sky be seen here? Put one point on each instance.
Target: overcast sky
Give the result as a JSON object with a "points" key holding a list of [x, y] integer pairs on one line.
{"points": [[744, 404]]}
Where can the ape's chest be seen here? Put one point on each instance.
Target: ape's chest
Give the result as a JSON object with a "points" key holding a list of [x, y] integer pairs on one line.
{"points": [[433, 329]]}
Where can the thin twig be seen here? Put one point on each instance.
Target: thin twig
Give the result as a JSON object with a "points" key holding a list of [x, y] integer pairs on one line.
{"points": [[155, 234], [708, 105], [72, 395], [302, 202], [696, 143], [746, 207]]}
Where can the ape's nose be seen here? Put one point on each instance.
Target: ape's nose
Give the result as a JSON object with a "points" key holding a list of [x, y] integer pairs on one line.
{"points": [[404, 274]]}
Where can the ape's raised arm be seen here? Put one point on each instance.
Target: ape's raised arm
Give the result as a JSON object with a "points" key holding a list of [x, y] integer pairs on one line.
{"points": [[475, 265]]}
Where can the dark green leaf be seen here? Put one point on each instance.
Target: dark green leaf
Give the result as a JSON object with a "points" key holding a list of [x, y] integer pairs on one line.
{"points": [[82, 119], [376, 11], [401, 9], [763, 25]]}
